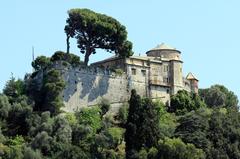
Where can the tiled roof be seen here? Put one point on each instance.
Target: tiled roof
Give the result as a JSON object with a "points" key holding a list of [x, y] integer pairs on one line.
{"points": [[190, 76]]}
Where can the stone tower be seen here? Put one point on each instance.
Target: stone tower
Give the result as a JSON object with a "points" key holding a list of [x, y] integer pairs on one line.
{"points": [[171, 63], [193, 82]]}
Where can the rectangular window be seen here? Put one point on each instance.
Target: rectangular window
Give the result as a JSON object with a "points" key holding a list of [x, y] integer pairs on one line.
{"points": [[143, 72], [165, 79], [134, 71], [166, 68]]}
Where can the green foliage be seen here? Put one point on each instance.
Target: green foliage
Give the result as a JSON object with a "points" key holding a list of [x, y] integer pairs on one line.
{"points": [[184, 102], [31, 126], [167, 121], [116, 135], [133, 125], [123, 114], [93, 30], [14, 152], [45, 87], [41, 62], [176, 148], [142, 127], [46, 91], [219, 96], [40, 123], [4, 150], [13, 148], [17, 119], [34, 91], [104, 106], [152, 153], [149, 130], [4, 106], [71, 118], [61, 130], [90, 117], [142, 154], [65, 151], [53, 86], [89, 134], [81, 134], [29, 153], [193, 128], [42, 142], [118, 71], [224, 134], [216, 132], [16, 141], [100, 145], [108, 154], [106, 143], [56, 137], [72, 59], [59, 56], [14, 89], [2, 137]]}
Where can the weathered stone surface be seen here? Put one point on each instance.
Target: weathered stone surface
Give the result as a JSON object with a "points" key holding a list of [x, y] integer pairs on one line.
{"points": [[87, 87], [157, 75]]}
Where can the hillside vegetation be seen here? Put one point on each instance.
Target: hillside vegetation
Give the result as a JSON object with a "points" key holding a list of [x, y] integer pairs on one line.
{"points": [[32, 125]]}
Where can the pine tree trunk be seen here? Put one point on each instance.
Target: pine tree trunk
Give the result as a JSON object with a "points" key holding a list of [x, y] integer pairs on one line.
{"points": [[87, 54], [68, 44]]}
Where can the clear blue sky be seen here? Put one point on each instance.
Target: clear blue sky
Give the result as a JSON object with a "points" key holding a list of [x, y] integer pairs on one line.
{"points": [[207, 32]]}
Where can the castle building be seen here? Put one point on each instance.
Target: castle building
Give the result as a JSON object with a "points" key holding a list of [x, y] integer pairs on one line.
{"points": [[157, 75], [160, 71]]}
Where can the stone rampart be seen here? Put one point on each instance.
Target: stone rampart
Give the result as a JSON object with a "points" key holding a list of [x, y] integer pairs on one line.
{"points": [[87, 86]]}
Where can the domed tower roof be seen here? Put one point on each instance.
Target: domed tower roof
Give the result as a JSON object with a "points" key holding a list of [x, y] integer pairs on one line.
{"points": [[163, 46], [164, 51]]}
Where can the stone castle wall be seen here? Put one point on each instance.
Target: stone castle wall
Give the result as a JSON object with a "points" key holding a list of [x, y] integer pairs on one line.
{"points": [[88, 86]]}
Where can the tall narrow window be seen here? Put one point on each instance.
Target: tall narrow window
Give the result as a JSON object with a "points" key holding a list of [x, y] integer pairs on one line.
{"points": [[165, 79], [134, 71], [166, 68]]}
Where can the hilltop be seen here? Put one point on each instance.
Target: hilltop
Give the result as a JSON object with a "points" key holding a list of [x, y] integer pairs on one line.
{"points": [[192, 123]]}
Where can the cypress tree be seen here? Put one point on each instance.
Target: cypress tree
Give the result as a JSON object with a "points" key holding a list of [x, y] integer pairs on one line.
{"points": [[142, 127], [132, 125]]}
